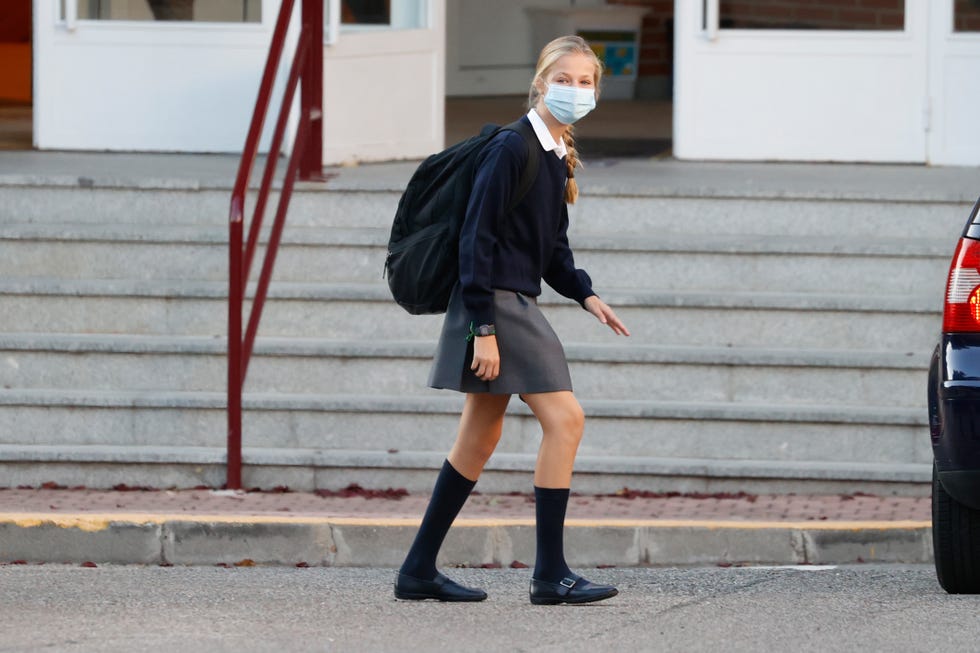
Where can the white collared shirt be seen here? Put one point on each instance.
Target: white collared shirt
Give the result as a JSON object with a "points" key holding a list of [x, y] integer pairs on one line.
{"points": [[544, 136]]}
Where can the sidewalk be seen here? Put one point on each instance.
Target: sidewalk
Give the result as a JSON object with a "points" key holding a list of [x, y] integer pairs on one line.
{"points": [[357, 527]]}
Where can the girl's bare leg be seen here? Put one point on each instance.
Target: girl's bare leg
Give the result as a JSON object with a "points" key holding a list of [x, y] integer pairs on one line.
{"points": [[562, 424], [480, 427]]}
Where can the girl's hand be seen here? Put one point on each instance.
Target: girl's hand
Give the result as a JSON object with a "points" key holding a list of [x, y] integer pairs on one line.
{"points": [[605, 315], [486, 358]]}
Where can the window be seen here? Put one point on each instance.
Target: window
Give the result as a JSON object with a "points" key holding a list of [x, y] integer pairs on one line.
{"points": [[213, 11], [365, 12], [966, 16], [374, 14], [879, 15]]}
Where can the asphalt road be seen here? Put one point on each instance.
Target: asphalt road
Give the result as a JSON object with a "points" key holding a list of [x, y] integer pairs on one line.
{"points": [[866, 608]]}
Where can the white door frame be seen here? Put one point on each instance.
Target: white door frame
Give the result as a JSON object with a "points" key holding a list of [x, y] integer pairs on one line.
{"points": [[800, 95]]}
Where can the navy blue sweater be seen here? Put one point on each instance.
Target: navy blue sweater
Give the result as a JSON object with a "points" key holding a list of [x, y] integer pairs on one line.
{"points": [[516, 251]]}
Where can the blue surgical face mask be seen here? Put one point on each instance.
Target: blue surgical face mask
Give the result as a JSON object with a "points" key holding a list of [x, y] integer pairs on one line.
{"points": [[569, 103]]}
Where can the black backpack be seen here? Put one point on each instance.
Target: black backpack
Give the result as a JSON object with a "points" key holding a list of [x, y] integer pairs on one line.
{"points": [[423, 250]]}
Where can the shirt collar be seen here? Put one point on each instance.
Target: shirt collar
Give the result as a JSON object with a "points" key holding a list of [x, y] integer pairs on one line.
{"points": [[544, 136]]}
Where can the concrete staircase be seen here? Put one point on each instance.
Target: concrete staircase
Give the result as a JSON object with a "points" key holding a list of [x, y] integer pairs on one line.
{"points": [[780, 342]]}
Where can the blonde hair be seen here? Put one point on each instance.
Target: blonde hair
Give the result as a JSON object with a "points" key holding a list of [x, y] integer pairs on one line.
{"points": [[550, 54]]}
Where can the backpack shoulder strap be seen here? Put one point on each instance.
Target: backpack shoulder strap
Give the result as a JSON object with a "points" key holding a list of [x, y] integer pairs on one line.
{"points": [[530, 172]]}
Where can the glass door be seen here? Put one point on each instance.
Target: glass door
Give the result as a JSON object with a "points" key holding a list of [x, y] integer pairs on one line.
{"points": [[384, 79], [954, 134], [812, 80], [148, 75]]}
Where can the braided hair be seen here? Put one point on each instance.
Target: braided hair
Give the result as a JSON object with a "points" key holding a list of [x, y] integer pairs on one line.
{"points": [[550, 54]]}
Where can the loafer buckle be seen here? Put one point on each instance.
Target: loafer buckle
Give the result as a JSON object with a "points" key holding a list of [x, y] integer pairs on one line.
{"points": [[567, 582]]}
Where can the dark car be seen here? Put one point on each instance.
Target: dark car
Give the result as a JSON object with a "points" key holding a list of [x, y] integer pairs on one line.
{"points": [[954, 421]]}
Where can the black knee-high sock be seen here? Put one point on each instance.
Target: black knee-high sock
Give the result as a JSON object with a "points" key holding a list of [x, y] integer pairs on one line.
{"points": [[550, 505], [448, 497]]}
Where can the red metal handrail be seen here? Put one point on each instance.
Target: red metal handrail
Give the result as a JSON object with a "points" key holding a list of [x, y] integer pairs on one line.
{"points": [[305, 161]]}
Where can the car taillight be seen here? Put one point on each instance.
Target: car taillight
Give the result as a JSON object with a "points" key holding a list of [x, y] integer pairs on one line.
{"points": [[962, 309]]}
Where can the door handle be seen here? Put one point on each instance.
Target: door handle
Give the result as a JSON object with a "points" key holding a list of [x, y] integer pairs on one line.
{"points": [[332, 32], [712, 17], [71, 15]]}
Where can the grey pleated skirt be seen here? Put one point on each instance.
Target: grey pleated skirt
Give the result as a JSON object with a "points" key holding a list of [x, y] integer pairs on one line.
{"points": [[532, 359]]}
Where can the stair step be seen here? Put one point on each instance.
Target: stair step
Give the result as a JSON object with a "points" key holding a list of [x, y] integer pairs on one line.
{"points": [[799, 315], [686, 242], [681, 262], [611, 207], [106, 362], [614, 427], [793, 217], [317, 347], [186, 206], [668, 177], [365, 311], [309, 469]]}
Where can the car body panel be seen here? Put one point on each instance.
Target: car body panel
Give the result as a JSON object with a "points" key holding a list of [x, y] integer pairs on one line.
{"points": [[954, 405]]}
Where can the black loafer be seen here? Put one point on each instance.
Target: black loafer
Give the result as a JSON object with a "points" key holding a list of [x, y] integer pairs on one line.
{"points": [[440, 589], [573, 589]]}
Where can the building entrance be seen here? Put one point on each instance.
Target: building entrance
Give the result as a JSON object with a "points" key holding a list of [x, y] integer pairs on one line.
{"points": [[490, 56]]}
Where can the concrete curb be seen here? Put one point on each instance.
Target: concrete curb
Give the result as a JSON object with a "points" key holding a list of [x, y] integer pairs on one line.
{"points": [[126, 538]]}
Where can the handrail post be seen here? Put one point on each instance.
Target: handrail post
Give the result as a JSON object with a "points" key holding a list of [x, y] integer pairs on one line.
{"points": [[311, 92], [305, 163], [236, 300]]}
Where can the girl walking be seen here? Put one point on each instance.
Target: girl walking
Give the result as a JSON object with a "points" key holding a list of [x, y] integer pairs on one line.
{"points": [[496, 342]]}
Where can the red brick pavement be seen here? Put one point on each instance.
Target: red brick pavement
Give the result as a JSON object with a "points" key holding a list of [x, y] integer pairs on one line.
{"points": [[763, 507]]}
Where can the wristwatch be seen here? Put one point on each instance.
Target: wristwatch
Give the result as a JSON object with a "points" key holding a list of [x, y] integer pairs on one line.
{"points": [[485, 330]]}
